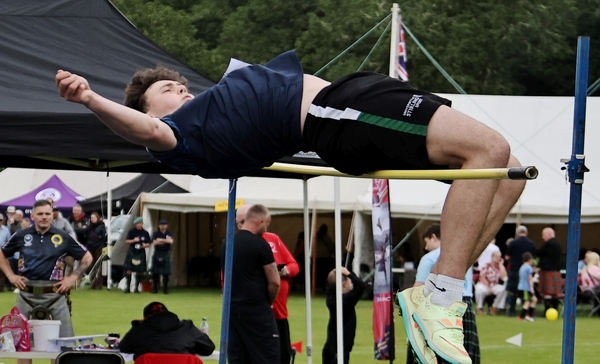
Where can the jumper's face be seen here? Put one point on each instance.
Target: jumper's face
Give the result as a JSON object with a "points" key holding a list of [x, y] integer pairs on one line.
{"points": [[139, 225], [93, 219], [165, 97], [42, 217], [76, 210]]}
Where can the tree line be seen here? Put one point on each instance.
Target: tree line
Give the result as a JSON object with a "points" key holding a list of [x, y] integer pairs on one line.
{"points": [[511, 47]]}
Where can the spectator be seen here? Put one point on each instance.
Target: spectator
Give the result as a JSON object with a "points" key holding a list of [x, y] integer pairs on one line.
{"points": [[78, 221], [42, 248], [25, 223], [10, 214], [526, 291], [589, 278], [61, 223], [550, 283], [288, 269], [492, 277], [352, 289], [161, 331], [161, 261], [253, 334], [138, 240], [514, 255], [95, 241], [486, 255], [17, 219]]}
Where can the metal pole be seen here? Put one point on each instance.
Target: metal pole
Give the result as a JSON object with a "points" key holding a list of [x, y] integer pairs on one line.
{"points": [[394, 41], [108, 234], [228, 272], [576, 169], [338, 272], [307, 269]]}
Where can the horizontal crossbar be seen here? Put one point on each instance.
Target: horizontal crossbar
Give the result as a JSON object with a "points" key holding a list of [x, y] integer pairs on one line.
{"points": [[424, 174]]}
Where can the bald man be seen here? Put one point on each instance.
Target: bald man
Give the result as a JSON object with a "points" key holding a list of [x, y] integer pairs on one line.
{"points": [[253, 333], [551, 283]]}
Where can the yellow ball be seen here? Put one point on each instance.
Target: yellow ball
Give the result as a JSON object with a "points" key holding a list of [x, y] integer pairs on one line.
{"points": [[551, 314]]}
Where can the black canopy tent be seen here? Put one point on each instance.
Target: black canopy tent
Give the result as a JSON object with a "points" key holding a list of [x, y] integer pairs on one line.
{"points": [[91, 38], [125, 195]]}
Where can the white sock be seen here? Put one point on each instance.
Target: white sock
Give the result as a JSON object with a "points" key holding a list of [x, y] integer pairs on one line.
{"points": [[429, 284], [447, 290]]}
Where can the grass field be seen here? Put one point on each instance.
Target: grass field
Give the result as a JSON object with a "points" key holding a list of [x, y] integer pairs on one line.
{"points": [[98, 312]]}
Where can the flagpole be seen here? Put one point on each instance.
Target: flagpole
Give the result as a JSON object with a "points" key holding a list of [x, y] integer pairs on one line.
{"points": [[394, 40]]}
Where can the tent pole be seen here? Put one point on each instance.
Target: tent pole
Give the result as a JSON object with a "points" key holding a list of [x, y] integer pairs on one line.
{"points": [[575, 170], [108, 233], [338, 271], [307, 285], [228, 272]]}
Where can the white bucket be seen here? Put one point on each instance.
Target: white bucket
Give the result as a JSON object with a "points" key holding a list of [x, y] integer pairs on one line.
{"points": [[41, 332]]}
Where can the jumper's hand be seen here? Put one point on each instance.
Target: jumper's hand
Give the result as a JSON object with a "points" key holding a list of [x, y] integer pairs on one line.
{"points": [[73, 87]]}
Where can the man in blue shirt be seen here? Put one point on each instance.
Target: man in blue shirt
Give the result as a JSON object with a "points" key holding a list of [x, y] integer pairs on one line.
{"points": [[359, 123]]}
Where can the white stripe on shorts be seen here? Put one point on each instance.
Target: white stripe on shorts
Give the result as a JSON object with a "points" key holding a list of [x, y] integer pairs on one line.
{"points": [[331, 113]]}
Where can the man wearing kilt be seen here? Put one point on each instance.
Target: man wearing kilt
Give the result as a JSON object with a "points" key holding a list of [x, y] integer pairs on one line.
{"points": [[551, 282], [161, 262], [514, 256]]}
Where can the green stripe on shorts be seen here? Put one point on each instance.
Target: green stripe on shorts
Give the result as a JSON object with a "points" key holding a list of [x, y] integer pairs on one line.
{"points": [[393, 124]]}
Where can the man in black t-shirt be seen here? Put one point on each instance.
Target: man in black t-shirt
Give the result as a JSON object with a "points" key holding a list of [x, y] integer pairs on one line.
{"points": [[253, 335], [514, 256]]}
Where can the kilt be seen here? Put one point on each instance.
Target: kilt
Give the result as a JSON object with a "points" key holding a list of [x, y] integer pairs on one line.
{"points": [[550, 283], [140, 256], [161, 263], [471, 340]]}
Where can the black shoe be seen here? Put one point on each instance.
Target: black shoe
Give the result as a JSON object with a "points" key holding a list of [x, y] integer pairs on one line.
{"points": [[126, 291], [136, 291]]}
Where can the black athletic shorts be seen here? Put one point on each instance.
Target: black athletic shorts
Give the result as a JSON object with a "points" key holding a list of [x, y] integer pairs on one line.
{"points": [[366, 122]]}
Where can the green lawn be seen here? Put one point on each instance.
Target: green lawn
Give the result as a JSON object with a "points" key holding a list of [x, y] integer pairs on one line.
{"points": [[97, 312]]}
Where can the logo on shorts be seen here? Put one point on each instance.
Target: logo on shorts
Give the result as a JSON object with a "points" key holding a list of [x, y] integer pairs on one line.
{"points": [[414, 103], [28, 239]]}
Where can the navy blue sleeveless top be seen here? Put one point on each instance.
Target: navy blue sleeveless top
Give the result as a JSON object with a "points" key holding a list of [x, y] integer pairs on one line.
{"points": [[247, 121]]}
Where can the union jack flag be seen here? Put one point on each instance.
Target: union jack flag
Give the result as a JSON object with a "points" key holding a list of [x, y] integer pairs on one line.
{"points": [[401, 70]]}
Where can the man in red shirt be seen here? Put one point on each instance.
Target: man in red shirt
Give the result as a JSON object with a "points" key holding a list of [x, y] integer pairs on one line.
{"points": [[288, 268]]}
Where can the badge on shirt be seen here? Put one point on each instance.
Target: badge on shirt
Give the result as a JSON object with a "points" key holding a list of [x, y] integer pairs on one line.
{"points": [[28, 239], [56, 239]]}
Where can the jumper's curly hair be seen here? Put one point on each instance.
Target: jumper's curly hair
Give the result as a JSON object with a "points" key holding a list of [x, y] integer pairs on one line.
{"points": [[135, 91]]}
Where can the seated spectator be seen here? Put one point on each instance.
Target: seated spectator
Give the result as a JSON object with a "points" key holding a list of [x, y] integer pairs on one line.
{"points": [[589, 277], [491, 282], [161, 331]]}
